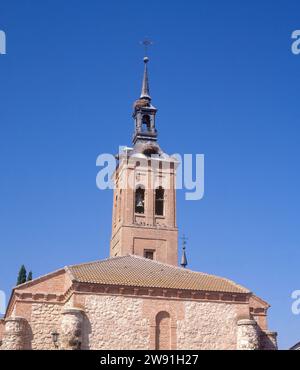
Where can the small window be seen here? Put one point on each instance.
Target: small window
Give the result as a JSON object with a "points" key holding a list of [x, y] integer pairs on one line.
{"points": [[140, 200], [149, 254], [159, 201]]}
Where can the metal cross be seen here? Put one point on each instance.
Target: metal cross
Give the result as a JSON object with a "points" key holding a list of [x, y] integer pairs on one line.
{"points": [[184, 239], [146, 42]]}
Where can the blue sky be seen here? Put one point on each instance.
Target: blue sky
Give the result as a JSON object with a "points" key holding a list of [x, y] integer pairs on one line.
{"points": [[226, 84]]}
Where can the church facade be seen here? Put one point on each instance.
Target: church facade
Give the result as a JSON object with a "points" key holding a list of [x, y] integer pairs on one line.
{"points": [[138, 298]]}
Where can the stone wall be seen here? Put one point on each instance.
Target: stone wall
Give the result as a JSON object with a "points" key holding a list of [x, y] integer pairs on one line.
{"points": [[117, 322], [247, 335], [208, 325], [2, 327], [14, 335], [107, 321], [45, 318], [114, 322]]}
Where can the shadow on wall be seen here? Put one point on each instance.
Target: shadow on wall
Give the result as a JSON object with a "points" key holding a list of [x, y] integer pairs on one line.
{"points": [[86, 331], [28, 336]]}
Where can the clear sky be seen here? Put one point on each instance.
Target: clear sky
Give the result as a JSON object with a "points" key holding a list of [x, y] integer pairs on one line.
{"points": [[226, 85]]}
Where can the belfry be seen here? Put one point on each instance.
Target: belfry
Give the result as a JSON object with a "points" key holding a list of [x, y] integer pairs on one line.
{"points": [[144, 208]]}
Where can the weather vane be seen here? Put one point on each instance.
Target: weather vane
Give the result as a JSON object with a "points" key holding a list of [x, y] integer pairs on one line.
{"points": [[146, 43]]}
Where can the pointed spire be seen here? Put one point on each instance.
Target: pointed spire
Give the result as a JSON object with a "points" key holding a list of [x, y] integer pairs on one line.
{"points": [[183, 259], [145, 87], [183, 262]]}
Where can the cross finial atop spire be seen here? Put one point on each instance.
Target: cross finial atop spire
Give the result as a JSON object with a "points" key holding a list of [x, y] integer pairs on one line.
{"points": [[145, 94], [146, 42], [183, 262]]}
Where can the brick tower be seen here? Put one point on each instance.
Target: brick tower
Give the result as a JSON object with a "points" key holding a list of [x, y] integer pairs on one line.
{"points": [[144, 205]]}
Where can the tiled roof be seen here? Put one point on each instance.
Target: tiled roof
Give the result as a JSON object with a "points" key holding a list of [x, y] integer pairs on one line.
{"points": [[137, 271]]}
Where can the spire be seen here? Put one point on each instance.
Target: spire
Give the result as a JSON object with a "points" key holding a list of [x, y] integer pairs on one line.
{"points": [[145, 94], [183, 262], [144, 112]]}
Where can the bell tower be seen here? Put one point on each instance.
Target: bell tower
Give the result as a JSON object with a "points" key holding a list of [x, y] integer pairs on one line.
{"points": [[144, 113], [144, 204]]}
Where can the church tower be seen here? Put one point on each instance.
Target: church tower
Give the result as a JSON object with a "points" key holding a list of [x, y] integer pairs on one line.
{"points": [[144, 205]]}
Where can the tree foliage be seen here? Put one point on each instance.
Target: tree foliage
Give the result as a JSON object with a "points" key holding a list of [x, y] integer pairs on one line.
{"points": [[22, 275]]}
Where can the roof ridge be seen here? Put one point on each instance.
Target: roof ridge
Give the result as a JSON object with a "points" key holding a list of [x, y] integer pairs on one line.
{"points": [[134, 256], [159, 262], [95, 261]]}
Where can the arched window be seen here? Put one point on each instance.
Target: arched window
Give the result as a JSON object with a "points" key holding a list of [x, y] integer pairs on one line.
{"points": [[146, 123], [163, 331], [140, 200], [159, 201]]}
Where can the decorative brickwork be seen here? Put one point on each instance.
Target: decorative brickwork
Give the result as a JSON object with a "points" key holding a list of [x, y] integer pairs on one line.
{"points": [[268, 340]]}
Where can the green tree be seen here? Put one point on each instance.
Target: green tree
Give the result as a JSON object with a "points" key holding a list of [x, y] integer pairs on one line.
{"points": [[22, 275], [29, 276]]}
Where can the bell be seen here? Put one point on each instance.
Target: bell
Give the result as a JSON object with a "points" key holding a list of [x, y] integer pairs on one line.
{"points": [[140, 204]]}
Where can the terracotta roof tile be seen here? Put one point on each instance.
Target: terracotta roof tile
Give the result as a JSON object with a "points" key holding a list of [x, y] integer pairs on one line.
{"points": [[141, 272]]}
